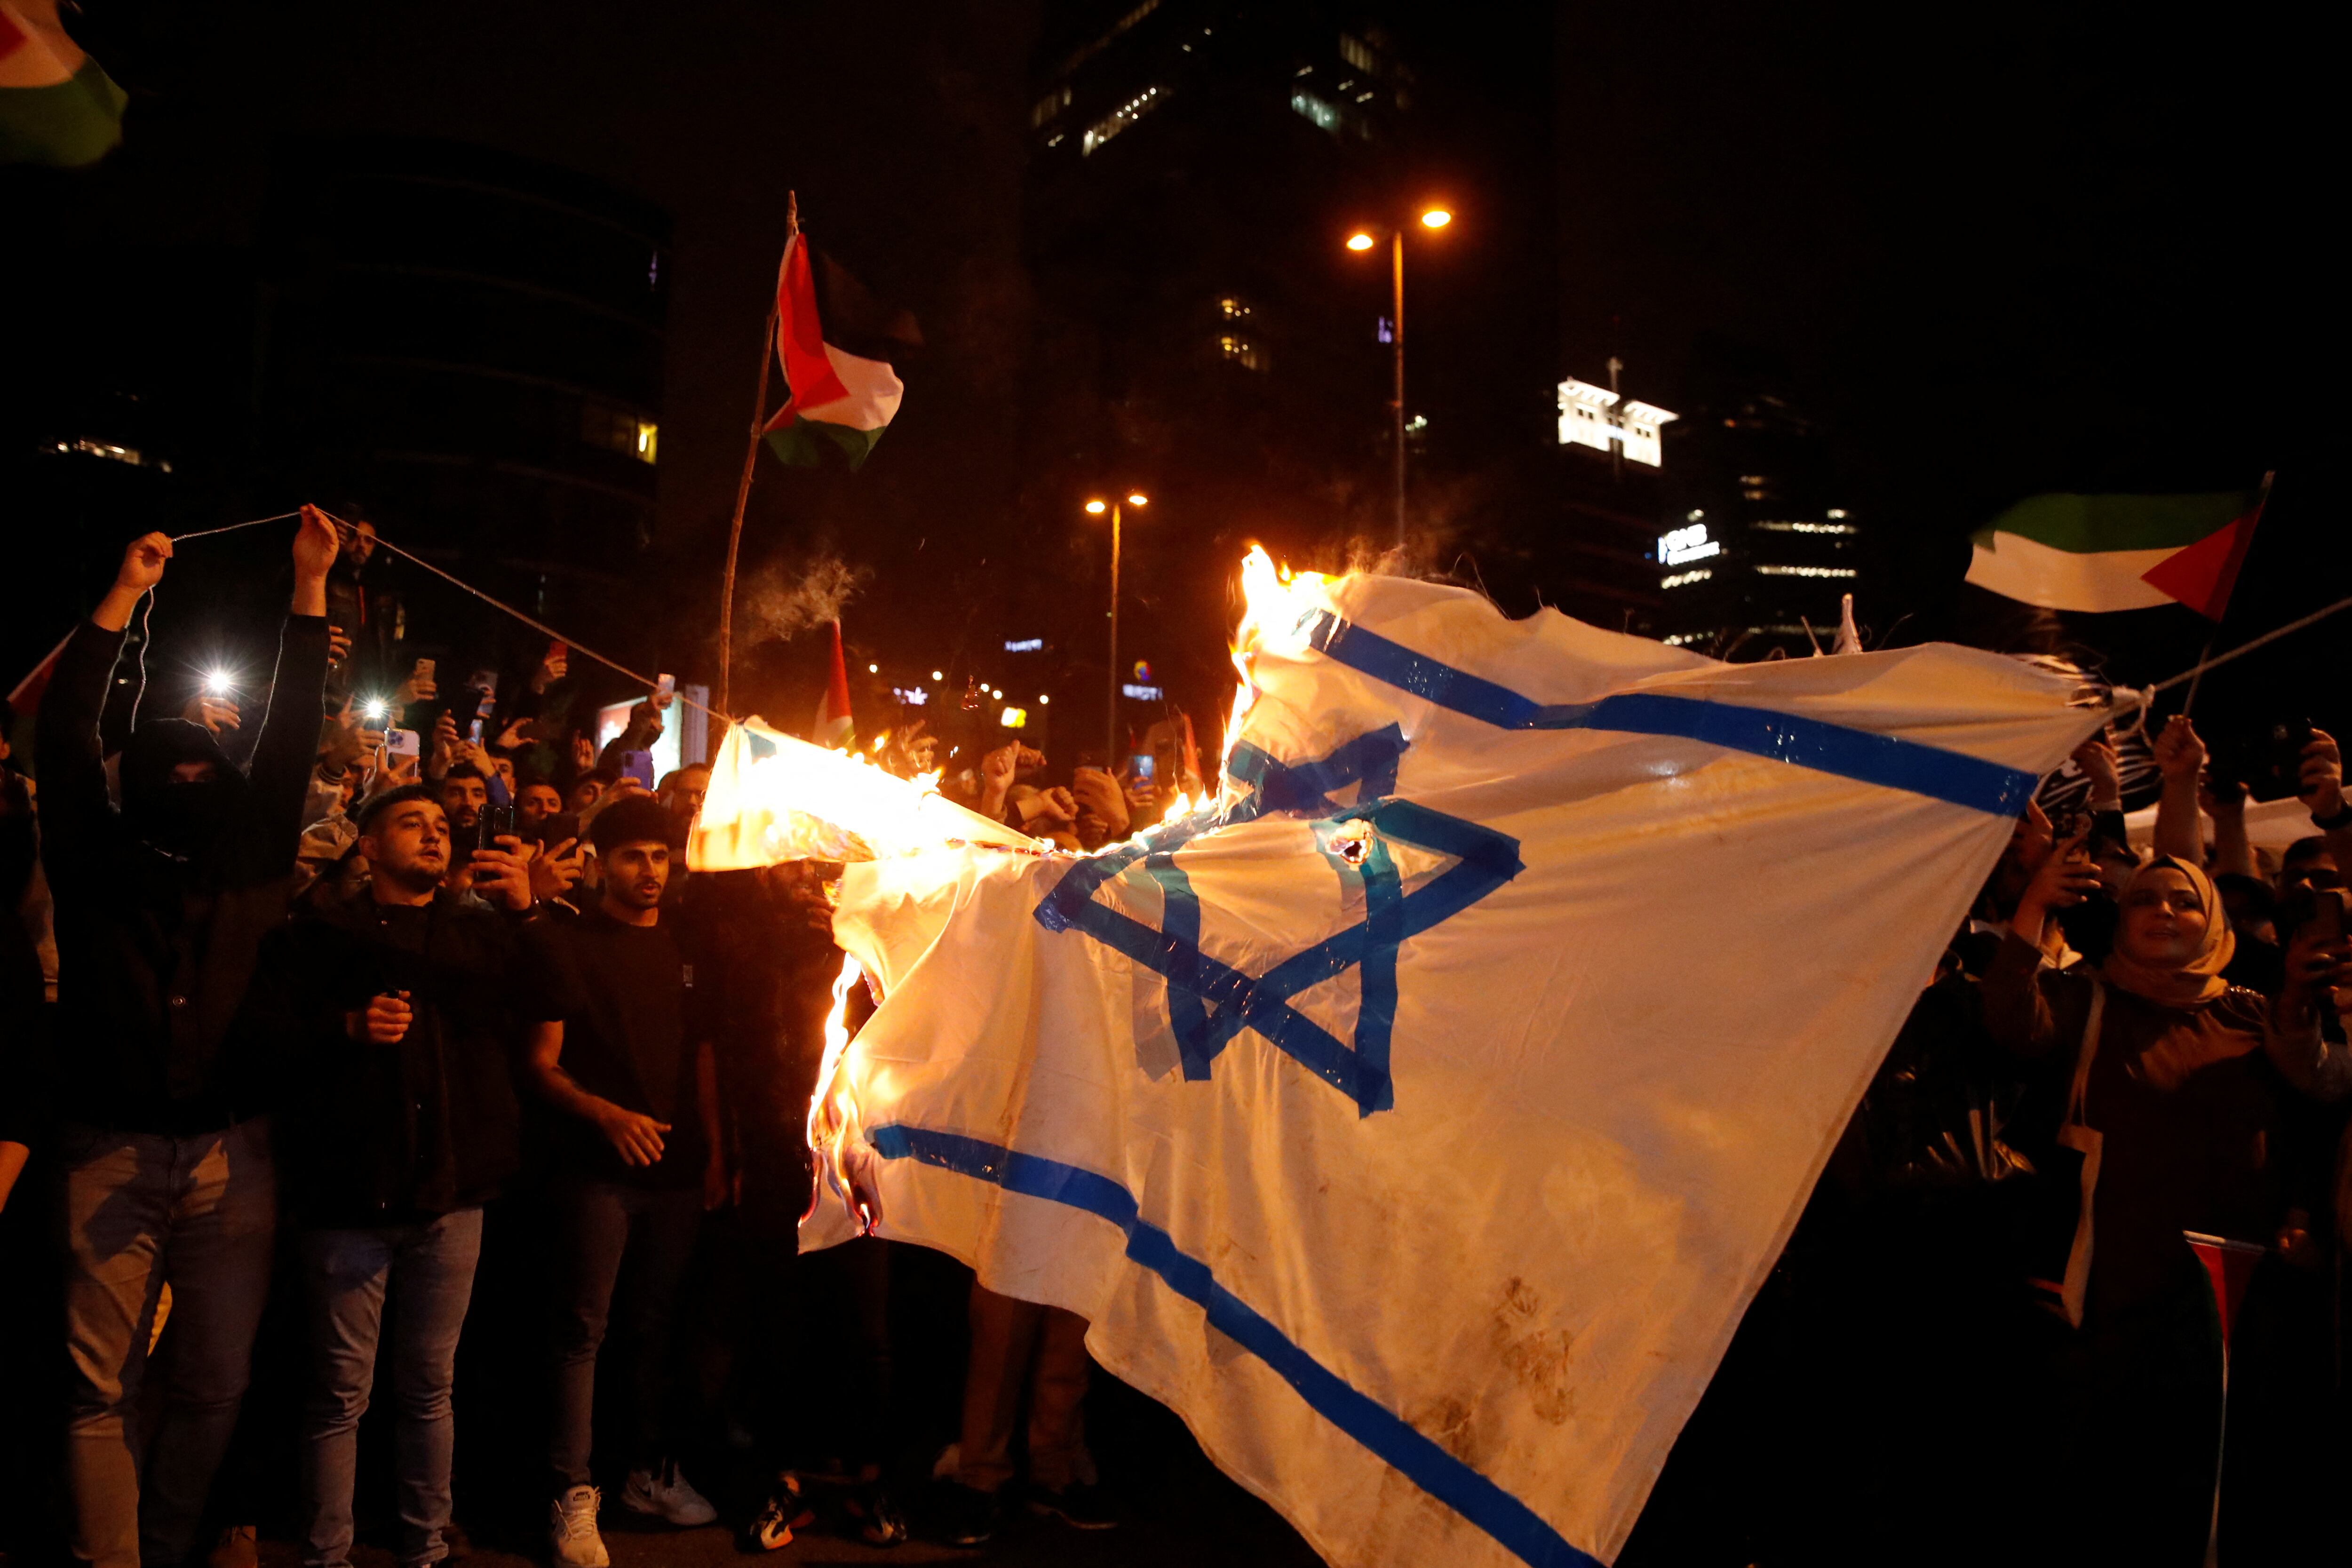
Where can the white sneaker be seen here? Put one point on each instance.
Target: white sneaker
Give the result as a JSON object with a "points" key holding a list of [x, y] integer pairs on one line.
{"points": [[571, 1529], [666, 1494]]}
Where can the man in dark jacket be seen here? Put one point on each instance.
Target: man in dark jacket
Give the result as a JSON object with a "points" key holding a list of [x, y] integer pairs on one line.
{"points": [[160, 911], [402, 1125]]}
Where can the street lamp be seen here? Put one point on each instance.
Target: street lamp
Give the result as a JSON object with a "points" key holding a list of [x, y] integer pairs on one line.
{"points": [[1096, 508], [1432, 218]]}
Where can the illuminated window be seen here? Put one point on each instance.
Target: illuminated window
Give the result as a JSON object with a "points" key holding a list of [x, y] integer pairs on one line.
{"points": [[1325, 115], [1684, 579], [613, 428], [1807, 572], [1050, 105], [1119, 119], [1232, 307], [1807, 527], [1358, 54], [1245, 352]]}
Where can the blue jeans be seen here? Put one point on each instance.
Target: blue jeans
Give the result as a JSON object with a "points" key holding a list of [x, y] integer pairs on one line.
{"points": [[621, 1250], [429, 1270], [143, 1211]]}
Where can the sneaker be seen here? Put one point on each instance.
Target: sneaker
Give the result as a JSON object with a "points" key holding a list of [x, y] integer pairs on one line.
{"points": [[571, 1529], [870, 1506], [968, 1517], [665, 1493], [784, 1511], [1077, 1505]]}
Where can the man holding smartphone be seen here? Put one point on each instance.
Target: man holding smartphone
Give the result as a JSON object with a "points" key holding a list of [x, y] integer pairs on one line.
{"points": [[403, 1039]]}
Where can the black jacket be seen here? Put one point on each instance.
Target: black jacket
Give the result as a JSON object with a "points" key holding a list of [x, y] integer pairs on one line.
{"points": [[155, 952], [377, 1133]]}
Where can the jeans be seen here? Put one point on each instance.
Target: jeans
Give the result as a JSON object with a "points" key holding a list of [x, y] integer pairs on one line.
{"points": [[1006, 1335], [140, 1210], [620, 1251], [427, 1268]]}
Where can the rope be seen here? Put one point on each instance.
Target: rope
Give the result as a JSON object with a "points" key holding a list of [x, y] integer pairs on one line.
{"points": [[232, 527], [540, 626], [2245, 648]]}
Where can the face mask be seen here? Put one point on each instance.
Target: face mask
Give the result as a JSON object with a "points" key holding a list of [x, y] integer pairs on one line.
{"points": [[187, 817]]}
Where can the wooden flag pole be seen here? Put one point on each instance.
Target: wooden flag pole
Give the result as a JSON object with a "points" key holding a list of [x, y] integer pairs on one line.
{"points": [[751, 460]]}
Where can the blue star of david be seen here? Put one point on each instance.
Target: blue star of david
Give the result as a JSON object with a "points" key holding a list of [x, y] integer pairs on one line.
{"points": [[1210, 1002]]}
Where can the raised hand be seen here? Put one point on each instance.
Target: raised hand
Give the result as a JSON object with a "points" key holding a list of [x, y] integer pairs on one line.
{"points": [[502, 874], [2065, 879], [2179, 754], [556, 868], [142, 562], [2320, 781]]}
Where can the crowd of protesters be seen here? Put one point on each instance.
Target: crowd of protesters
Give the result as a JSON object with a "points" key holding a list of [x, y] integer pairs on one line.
{"points": [[396, 1047], [323, 1039]]}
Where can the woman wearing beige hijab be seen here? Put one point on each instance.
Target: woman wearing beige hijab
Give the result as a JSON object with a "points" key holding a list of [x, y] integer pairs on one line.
{"points": [[2174, 1078]]}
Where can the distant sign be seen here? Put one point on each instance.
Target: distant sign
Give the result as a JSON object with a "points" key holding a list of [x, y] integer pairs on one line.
{"points": [[1684, 545], [1025, 645], [1142, 693], [912, 696], [1595, 416]]}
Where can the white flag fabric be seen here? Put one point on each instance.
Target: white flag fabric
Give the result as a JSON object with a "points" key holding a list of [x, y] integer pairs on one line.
{"points": [[1418, 1122]]}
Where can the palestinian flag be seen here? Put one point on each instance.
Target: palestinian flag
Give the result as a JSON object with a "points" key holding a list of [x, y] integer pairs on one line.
{"points": [[2099, 553], [56, 107], [836, 343], [833, 726]]}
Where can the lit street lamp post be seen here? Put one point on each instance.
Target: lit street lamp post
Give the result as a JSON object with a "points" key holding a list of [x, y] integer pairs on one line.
{"points": [[1110, 718], [1434, 217]]}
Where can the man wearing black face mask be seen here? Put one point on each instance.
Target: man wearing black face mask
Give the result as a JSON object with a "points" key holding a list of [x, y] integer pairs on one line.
{"points": [[161, 910]]}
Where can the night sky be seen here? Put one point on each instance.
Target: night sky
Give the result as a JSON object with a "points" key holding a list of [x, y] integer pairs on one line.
{"points": [[1994, 252]]}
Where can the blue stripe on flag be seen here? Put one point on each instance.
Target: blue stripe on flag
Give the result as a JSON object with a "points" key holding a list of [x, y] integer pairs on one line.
{"points": [[1510, 1521], [1863, 755]]}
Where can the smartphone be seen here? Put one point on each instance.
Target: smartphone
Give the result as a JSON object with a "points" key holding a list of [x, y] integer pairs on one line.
{"points": [[424, 668], [1146, 768], [401, 742], [638, 765], [553, 830], [665, 687], [498, 822]]}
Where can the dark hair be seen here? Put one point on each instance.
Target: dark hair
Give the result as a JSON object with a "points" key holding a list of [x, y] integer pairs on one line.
{"points": [[463, 770], [2262, 904], [604, 778], [636, 820], [526, 780], [401, 796], [2310, 848]]}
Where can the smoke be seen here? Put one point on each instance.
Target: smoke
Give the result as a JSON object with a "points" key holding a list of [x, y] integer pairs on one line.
{"points": [[783, 599]]}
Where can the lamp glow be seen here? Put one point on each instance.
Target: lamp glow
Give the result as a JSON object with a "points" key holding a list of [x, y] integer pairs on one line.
{"points": [[1436, 217], [217, 682], [1360, 241], [1139, 498], [1096, 508]]}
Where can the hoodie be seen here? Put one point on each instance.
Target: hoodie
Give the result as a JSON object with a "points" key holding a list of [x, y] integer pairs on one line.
{"points": [[162, 906]]}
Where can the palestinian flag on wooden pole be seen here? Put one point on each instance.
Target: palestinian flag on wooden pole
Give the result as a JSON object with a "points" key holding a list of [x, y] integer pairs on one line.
{"points": [[833, 726], [56, 106], [2102, 553], [836, 343]]}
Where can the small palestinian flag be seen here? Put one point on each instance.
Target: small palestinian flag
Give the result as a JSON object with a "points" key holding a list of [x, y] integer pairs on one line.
{"points": [[836, 343], [833, 726], [2099, 553], [56, 107]]}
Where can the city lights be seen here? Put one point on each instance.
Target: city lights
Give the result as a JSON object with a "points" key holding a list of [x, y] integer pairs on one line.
{"points": [[1096, 508], [1436, 217], [1360, 241]]}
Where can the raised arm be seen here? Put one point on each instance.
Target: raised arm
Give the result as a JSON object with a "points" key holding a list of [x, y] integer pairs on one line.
{"points": [[2321, 785], [2017, 1010], [72, 768], [2318, 970], [287, 746], [2179, 757]]}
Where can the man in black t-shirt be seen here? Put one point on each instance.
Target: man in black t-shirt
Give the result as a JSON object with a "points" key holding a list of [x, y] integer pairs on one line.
{"points": [[619, 1050]]}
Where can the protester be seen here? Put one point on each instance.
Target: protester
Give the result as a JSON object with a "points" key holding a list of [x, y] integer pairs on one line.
{"points": [[405, 1126], [2172, 1074], [620, 1051], [1021, 1348], [162, 909]]}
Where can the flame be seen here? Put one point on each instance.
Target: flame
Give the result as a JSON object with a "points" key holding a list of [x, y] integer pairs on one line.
{"points": [[832, 1116], [1276, 603], [775, 798]]}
